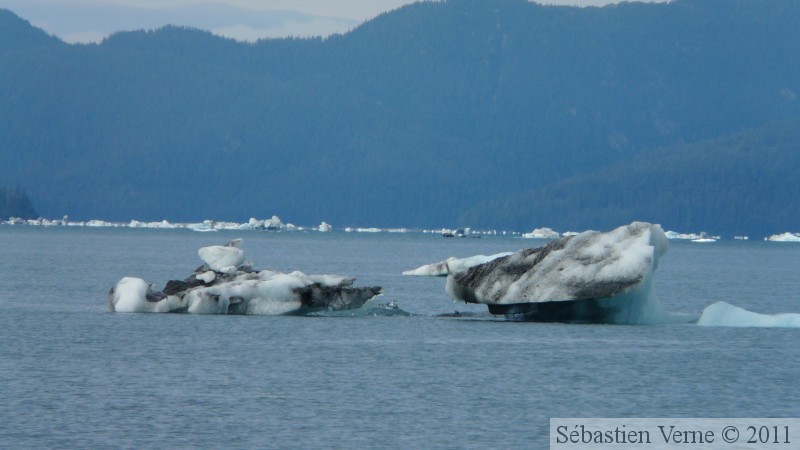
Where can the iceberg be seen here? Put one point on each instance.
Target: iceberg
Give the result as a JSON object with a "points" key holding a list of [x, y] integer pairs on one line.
{"points": [[134, 295], [225, 284], [591, 277], [205, 227], [785, 237], [682, 236], [541, 233], [722, 314], [273, 224]]}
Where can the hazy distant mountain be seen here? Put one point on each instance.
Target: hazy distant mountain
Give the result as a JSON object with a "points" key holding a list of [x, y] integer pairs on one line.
{"points": [[18, 35], [15, 203], [426, 116], [740, 184]]}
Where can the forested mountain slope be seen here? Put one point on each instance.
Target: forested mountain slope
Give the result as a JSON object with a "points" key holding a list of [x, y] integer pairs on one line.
{"points": [[414, 118], [742, 184]]}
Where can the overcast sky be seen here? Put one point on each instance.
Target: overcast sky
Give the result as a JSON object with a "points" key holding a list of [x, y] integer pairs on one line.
{"points": [[249, 20]]}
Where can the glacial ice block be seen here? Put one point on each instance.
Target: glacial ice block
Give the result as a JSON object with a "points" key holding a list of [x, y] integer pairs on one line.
{"points": [[589, 277], [225, 286]]}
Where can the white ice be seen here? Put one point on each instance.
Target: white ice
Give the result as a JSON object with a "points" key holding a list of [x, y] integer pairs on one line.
{"points": [[130, 296], [542, 233], [223, 258], [721, 314], [626, 255], [611, 271], [785, 237], [681, 236], [265, 292], [207, 276], [452, 264]]}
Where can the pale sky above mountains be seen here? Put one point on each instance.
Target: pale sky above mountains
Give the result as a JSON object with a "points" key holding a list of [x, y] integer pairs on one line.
{"points": [[246, 20]]}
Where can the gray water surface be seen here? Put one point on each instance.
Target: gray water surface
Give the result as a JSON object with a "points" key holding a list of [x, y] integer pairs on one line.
{"points": [[74, 375]]}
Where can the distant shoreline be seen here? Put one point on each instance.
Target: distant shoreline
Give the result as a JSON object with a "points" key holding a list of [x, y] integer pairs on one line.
{"points": [[275, 224]]}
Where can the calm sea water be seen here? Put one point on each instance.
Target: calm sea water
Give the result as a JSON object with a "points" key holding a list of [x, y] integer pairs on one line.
{"points": [[74, 375]]}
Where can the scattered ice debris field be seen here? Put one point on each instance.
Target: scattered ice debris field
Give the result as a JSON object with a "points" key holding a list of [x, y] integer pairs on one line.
{"points": [[589, 277], [276, 224]]}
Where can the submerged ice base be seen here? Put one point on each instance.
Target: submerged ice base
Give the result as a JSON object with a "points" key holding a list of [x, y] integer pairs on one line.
{"points": [[224, 285], [590, 277]]}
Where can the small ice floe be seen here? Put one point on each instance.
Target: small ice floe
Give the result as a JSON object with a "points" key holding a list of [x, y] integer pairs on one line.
{"points": [[100, 223], [164, 224], [721, 314], [205, 227], [682, 236], [272, 224], [590, 277], [226, 284], [541, 233], [363, 230], [785, 237]]}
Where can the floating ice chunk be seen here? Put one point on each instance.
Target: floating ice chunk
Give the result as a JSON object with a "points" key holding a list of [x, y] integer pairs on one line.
{"points": [[233, 288], [99, 223], [255, 224], [785, 237], [163, 224], [206, 226], [325, 227], [452, 264], [588, 277], [541, 233], [134, 295], [681, 236], [223, 258], [721, 314], [129, 295], [273, 224]]}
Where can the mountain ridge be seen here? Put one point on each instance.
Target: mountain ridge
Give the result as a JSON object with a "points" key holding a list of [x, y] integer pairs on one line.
{"points": [[414, 118]]}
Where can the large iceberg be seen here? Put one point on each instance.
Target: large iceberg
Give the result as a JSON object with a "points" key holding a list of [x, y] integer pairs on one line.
{"points": [[225, 284], [589, 277]]}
